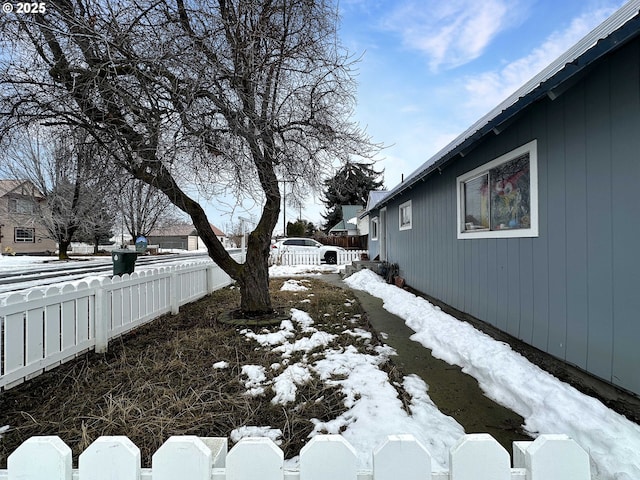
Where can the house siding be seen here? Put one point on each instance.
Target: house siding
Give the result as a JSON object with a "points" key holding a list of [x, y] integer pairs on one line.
{"points": [[8, 224], [571, 291]]}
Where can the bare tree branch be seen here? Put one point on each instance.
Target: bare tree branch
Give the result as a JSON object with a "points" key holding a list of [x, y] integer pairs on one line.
{"points": [[224, 95]]}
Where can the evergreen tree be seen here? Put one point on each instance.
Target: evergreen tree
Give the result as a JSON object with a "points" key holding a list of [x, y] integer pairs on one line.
{"points": [[300, 228], [349, 186]]}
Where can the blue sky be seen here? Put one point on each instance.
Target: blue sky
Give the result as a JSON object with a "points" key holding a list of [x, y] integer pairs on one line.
{"points": [[431, 68]]}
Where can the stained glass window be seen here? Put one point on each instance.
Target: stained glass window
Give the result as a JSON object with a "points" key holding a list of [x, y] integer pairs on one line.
{"points": [[510, 196], [499, 199]]}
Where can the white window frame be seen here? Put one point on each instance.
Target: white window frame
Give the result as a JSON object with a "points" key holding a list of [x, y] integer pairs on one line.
{"points": [[407, 226], [374, 228], [31, 239], [532, 149]]}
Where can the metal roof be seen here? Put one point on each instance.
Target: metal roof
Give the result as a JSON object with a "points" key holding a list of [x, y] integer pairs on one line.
{"points": [[614, 32], [348, 213]]}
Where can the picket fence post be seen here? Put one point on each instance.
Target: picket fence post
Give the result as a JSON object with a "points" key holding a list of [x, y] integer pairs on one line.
{"points": [[542, 454], [185, 458], [173, 291], [101, 320], [477, 449], [267, 460], [109, 458], [210, 278], [401, 456], [41, 458], [315, 466]]}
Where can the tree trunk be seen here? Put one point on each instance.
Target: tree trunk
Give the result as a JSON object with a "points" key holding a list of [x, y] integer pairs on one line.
{"points": [[63, 247], [254, 276], [254, 290]]}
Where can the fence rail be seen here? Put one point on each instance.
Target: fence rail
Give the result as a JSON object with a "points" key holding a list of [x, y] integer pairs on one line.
{"points": [[47, 326], [325, 457], [314, 258]]}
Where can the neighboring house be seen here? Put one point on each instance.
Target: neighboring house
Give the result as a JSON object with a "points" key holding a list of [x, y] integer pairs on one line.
{"points": [[349, 223], [530, 219], [20, 228], [365, 225], [181, 237]]}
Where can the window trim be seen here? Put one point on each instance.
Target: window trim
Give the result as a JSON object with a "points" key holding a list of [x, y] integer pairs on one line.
{"points": [[374, 229], [408, 226], [15, 235], [533, 231]]}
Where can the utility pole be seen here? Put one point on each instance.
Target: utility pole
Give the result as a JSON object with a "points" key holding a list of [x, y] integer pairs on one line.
{"points": [[243, 221], [284, 206]]}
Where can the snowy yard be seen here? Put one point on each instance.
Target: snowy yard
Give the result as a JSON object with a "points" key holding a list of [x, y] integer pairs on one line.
{"points": [[302, 349], [547, 404]]}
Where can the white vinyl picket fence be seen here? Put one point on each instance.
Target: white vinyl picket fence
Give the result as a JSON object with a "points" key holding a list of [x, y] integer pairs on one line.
{"points": [[325, 457], [48, 326], [313, 258]]}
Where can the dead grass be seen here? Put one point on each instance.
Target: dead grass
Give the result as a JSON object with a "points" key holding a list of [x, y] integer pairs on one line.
{"points": [[159, 380]]}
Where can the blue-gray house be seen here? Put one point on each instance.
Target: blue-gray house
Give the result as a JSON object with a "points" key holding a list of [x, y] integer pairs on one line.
{"points": [[530, 220]]}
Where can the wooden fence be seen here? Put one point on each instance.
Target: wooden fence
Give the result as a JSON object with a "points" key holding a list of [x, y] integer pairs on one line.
{"points": [[346, 241], [47, 326], [313, 258], [325, 457]]}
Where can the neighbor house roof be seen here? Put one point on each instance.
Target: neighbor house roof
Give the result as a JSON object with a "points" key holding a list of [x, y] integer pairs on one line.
{"points": [[564, 72], [181, 230], [10, 186], [349, 212]]}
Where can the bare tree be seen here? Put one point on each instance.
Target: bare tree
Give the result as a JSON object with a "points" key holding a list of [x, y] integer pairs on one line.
{"points": [[226, 95], [63, 166], [98, 228], [144, 207]]}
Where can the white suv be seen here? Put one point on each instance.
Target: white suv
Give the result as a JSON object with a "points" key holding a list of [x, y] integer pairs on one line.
{"points": [[328, 253]]}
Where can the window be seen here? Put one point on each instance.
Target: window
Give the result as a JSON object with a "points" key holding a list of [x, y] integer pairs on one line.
{"points": [[298, 242], [21, 205], [25, 235], [374, 228], [404, 216], [500, 199]]}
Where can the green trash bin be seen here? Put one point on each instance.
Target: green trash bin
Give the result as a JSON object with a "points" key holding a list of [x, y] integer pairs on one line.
{"points": [[124, 261]]}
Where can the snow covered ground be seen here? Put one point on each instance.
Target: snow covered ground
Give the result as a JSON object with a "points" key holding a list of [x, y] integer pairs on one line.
{"points": [[547, 404], [33, 264], [374, 409]]}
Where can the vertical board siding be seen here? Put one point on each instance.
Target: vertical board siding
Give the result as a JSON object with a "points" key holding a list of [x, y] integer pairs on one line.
{"points": [[556, 224], [625, 217], [525, 330], [576, 222], [599, 254], [572, 291]]}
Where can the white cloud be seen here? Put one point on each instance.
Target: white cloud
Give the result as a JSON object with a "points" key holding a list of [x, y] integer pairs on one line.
{"points": [[450, 33], [486, 90]]}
